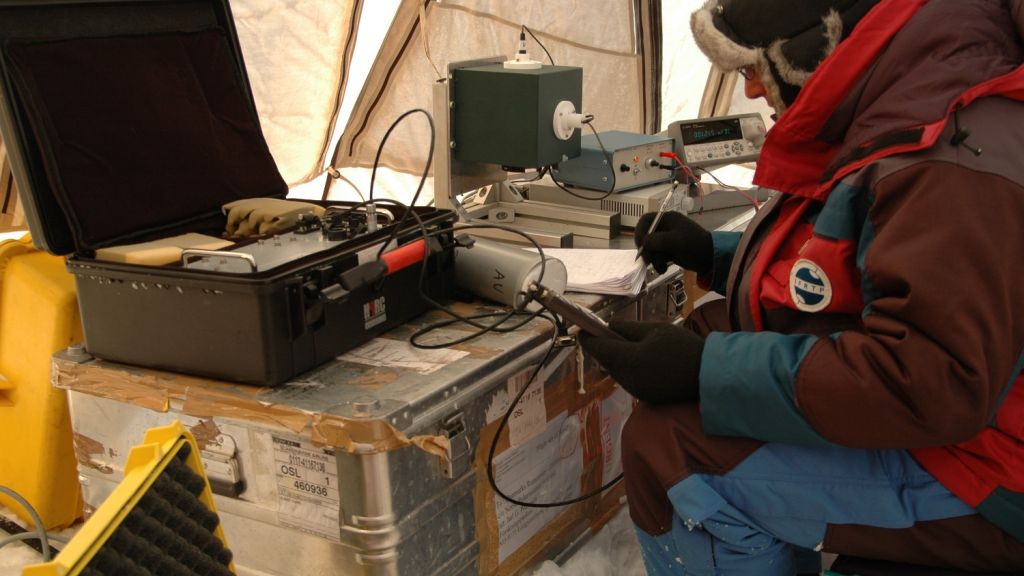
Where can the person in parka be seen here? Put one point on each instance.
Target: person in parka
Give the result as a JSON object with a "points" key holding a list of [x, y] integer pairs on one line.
{"points": [[859, 389]]}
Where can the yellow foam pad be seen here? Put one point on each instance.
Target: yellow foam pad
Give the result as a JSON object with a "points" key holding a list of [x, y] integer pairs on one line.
{"points": [[160, 252]]}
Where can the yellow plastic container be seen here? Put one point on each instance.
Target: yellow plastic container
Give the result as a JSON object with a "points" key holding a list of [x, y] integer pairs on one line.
{"points": [[38, 316], [161, 513]]}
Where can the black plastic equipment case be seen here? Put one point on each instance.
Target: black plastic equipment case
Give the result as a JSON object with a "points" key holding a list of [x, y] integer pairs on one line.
{"points": [[132, 120]]}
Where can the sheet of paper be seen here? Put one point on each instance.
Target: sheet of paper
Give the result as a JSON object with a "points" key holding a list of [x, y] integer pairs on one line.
{"points": [[400, 354], [600, 271], [545, 469]]}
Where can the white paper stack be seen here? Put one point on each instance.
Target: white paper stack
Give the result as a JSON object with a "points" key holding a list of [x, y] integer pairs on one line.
{"points": [[601, 271]]}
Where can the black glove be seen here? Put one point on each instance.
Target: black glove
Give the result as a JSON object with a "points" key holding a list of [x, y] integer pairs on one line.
{"points": [[676, 239], [658, 362]]}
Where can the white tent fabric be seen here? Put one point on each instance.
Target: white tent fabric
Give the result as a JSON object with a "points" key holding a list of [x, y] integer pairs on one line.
{"points": [[600, 37], [684, 67], [294, 52], [299, 57], [641, 71]]}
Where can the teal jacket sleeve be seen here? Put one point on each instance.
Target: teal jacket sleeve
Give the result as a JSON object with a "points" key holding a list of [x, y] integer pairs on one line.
{"points": [[725, 244]]}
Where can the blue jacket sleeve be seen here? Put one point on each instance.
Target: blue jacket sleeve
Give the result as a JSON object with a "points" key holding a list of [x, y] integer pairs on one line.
{"points": [[725, 244], [747, 386]]}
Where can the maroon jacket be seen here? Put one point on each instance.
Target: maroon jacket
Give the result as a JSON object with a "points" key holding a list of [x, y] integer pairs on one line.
{"points": [[884, 288]]}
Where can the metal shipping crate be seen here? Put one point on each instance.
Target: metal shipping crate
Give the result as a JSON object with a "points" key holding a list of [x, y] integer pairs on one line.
{"points": [[375, 463]]}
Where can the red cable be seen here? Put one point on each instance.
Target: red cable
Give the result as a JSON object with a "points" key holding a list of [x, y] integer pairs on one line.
{"points": [[690, 178], [753, 201]]}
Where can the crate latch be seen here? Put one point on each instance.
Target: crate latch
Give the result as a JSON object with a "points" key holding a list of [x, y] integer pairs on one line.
{"points": [[219, 457], [456, 459]]}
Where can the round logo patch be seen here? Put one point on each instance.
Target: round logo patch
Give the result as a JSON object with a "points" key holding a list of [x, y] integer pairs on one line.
{"points": [[809, 286]]}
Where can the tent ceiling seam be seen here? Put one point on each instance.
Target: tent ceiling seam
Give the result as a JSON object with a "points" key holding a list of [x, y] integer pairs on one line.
{"points": [[510, 23], [348, 51], [387, 77]]}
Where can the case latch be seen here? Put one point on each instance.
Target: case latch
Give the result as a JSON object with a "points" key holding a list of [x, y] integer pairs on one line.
{"points": [[219, 457], [456, 459]]}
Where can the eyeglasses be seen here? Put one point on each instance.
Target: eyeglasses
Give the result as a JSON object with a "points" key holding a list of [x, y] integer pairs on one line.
{"points": [[748, 72]]}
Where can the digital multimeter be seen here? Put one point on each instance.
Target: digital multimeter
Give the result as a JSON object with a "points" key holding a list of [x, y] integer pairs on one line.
{"points": [[710, 142]]}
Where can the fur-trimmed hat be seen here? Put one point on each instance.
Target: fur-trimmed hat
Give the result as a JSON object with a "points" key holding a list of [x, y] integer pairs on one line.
{"points": [[785, 39]]}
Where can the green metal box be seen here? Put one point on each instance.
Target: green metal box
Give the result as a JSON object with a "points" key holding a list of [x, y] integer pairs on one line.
{"points": [[506, 116]]}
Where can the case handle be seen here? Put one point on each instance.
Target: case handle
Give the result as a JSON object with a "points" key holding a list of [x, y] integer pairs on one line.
{"points": [[196, 252]]}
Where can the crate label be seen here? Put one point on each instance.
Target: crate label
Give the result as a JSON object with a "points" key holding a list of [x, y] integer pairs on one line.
{"points": [[536, 413], [307, 487], [389, 353], [548, 468], [530, 413]]}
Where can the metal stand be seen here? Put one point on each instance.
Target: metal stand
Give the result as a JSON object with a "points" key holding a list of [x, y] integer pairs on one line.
{"points": [[549, 224]]}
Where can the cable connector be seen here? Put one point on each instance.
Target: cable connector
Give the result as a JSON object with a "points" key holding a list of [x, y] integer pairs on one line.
{"points": [[371, 217], [522, 61], [690, 177]]}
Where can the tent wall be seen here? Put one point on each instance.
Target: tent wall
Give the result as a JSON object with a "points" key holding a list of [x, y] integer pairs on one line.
{"points": [[296, 54], [685, 70], [614, 43]]}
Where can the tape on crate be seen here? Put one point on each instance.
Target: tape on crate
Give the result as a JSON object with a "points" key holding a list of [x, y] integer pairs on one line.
{"points": [[503, 273]]}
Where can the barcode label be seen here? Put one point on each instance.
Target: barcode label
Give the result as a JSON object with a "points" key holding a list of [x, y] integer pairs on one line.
{"points": [[307, 487]]}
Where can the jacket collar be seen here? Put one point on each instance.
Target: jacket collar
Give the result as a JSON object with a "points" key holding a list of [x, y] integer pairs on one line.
{"points": [[830, 132]]}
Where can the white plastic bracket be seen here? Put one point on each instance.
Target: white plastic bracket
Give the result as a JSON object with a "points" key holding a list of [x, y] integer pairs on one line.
{"points": [[566, 120]]}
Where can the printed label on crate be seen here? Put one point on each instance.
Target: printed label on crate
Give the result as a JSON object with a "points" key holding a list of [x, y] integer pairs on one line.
{"points": [[530, 414], [307, 487], [390, 353], [528, 419], [545, 469]]}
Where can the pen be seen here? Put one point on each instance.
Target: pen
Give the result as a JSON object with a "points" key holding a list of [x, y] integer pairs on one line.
{"points": [[657, 219]]}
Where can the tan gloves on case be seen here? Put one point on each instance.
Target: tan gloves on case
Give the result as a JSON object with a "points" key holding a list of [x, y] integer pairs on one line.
{"points": [[259, 216]]}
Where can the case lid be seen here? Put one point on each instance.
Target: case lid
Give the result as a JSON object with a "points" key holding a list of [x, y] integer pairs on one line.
{"points": [[128, 119]]}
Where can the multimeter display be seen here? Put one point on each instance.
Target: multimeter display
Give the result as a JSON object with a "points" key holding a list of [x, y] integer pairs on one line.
{"points": [[712, 131]]}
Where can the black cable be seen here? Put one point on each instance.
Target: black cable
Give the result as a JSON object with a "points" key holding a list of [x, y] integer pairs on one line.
{"points": [[494, 447], [559, 329], [484, 328], [421, 285], [608, 160], [537, 176], [497, 327], [529, 316], [539, 43], [330, 211], [456, 317], [423, 178], [410, 210]]}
